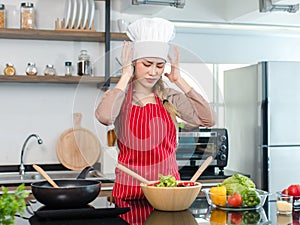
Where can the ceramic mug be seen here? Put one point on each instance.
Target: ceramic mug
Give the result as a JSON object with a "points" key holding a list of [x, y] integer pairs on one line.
{"points": [[122, 25]]}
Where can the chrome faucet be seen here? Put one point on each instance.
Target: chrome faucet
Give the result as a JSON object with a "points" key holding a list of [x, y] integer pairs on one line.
{"points": [[22, 167]]}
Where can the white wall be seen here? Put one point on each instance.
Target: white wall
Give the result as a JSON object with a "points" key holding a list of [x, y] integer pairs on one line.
{"points": [[47, 108]]}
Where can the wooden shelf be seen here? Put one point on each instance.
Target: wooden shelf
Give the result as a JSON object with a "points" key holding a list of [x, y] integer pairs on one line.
{"points": [[58, 35], [56, 79]]}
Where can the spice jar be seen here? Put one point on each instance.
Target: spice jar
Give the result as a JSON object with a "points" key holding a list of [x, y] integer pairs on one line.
{"points": [[49, 70], [31, 69], [27, 15], [68, 68], [9, 70], [111, 135], [2, 16], [84, 64]]}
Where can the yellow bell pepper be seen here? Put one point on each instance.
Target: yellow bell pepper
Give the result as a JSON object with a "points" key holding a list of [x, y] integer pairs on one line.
{"points": [[218, 195]]}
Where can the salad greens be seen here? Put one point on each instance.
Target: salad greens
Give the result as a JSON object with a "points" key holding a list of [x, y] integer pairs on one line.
{"points": [[237, 183], [166, 181], [11, 204]]}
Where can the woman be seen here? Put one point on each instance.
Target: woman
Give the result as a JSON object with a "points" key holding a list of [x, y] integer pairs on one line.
{"points": [[144, 111]]}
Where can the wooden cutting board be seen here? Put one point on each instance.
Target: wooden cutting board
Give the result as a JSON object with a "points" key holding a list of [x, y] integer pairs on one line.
{"points": [[78, 147]]}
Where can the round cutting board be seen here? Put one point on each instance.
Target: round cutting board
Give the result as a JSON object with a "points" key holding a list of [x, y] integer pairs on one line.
{"points": [[78, 147]]}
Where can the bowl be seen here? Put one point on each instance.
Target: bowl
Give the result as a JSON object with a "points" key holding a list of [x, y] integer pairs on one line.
{"points": [[171, 198], [210, 197]]}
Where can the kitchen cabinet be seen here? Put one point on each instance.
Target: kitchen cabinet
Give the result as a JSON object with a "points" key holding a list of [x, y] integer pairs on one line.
{"points": [[65, 35]]}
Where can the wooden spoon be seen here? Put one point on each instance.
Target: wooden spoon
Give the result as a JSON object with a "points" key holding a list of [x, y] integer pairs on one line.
{"points": [[201, 169], [133, 174], [45, 175]]}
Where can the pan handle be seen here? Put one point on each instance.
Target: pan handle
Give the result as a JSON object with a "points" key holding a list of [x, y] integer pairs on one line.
{"points": [[83, 174]]}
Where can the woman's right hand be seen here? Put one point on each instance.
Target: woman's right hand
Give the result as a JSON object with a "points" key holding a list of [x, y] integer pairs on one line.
{"points": [[127, 52]]}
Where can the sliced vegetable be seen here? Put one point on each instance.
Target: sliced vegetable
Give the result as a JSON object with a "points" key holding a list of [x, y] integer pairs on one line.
{"points": [[218, 195], [250, 198], [166, 181]]}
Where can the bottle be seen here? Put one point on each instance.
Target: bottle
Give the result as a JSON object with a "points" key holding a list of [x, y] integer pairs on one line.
{"points": [[111, 136], [84, 64], [68, 68], [27, 15], [31, 69], [49, 70], [9, 70], [2, 16]]}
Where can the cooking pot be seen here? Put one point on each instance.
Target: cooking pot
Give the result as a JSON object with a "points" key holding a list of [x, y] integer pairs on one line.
{"points": [[71, 193]]}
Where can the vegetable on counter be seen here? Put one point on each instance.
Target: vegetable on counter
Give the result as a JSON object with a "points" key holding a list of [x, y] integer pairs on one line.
{"points": [[237, 183], [11, 204], [235, 200], [218, 195], [250, 198]]}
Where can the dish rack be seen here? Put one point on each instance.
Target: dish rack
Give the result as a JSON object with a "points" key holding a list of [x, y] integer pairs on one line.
{"points": [[61, 25]]}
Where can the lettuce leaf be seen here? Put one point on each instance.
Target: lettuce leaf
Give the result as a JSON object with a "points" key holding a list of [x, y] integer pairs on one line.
{"points": [[238, 183]]}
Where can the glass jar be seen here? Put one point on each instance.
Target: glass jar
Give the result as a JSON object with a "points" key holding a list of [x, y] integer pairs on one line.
{"points": [[27, 15], [49, 70], [68, 68], [31, 69], [84, 64], [9, 70], [2, 16]]}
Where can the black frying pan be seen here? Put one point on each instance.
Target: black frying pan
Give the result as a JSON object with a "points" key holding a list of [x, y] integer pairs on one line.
{"points": [[72, 193]]}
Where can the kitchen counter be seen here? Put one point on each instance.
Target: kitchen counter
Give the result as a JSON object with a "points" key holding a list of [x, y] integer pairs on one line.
{"points": [[200, 212]]}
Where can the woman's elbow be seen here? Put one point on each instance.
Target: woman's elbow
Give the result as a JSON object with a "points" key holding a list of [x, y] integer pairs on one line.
{"points": [[105, 120]]}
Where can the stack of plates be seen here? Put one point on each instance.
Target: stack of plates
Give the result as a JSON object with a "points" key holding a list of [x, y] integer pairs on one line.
{"points": [[79, 13]]}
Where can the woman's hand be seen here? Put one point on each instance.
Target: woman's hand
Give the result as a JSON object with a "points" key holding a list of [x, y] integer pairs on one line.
{"points": [[127, 52], [174, 75]]}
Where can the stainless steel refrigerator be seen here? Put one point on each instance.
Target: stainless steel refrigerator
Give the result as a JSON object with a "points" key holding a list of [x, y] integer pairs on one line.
{"points": [[262, 115]]}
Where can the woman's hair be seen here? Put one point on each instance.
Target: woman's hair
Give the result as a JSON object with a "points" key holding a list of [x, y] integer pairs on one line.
{"points": [[160, 90]]}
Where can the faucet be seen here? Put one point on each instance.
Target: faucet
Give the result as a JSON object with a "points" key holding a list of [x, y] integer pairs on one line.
{"points": [[22, 167]]}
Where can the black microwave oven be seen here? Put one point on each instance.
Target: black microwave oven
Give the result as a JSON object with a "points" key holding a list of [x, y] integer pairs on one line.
{"points": [[194, 146]]}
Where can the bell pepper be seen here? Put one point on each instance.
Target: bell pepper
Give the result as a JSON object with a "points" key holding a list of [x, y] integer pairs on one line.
{"points": [[218, 195], [250, 198]]}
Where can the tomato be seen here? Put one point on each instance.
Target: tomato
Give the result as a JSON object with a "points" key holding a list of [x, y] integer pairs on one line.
{"points": [[285, 191], [235, 217], [294, 190], [235, 200]]}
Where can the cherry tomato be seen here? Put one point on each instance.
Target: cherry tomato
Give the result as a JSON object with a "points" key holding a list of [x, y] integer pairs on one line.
{"points": [[235, 218], [294, 190], [235, 200], [186, 184]]}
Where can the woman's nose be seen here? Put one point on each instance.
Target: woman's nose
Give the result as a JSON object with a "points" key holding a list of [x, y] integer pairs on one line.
{"points": [[153, 70]]}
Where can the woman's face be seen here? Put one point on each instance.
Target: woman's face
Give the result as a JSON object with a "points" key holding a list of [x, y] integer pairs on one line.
{"points": [[149, 70]]}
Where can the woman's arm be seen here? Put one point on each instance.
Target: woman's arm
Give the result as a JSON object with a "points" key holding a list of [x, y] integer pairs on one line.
{"points": [[110, 104], [192, 107]]}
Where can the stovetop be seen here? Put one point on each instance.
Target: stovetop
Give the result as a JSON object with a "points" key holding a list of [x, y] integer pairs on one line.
{"points": [[100, 211]]}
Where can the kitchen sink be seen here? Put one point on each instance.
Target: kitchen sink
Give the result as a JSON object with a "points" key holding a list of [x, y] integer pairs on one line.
{"points": [[30, 177]]}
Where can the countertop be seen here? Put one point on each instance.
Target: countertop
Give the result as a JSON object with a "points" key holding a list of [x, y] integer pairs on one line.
{"points": [[200, 212]]}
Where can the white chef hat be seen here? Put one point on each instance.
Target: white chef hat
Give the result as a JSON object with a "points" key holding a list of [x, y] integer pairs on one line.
{"points": [[151, 37]]}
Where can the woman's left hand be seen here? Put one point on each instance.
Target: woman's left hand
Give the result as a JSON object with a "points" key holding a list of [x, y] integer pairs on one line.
{"points": [[174, 75]]}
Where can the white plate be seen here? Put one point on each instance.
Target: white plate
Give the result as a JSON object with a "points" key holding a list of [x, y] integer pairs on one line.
{"points": [[74, 13], [86, 6], [67, 14], [92, 13], [79, 13]]}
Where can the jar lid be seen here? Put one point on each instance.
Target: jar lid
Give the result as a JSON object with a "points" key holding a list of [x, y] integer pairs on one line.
{"points": [[27, 4], [2, 6], [68, 63], [9, 64], [49, 66], [31, 64]]}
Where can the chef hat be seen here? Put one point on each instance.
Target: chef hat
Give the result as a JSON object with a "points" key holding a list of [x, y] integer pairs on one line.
{"points": [[151, 37]]}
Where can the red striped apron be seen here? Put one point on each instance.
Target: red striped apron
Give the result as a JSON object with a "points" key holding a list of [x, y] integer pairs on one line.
{"points": [[147, 144]]}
